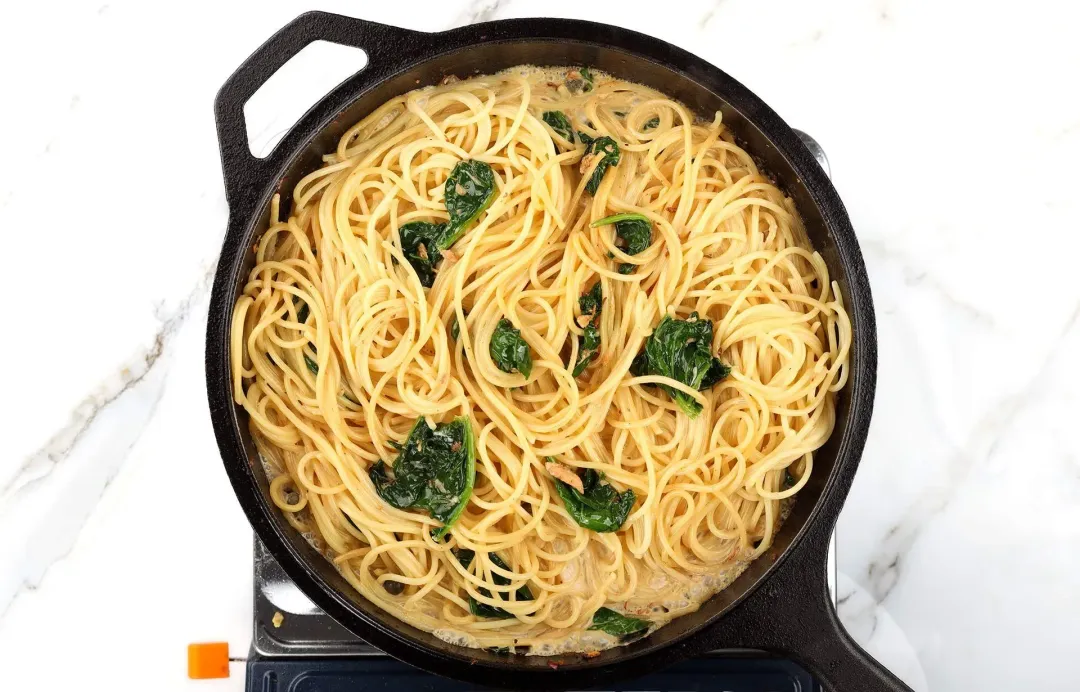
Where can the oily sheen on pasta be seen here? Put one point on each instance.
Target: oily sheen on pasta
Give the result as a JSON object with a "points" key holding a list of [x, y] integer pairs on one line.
{"points": [[538, 359]]}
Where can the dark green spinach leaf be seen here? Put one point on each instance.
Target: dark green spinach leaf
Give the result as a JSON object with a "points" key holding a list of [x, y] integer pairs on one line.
{"points": [[651, 124], [633, 235], [589, 350], [302, 312], [608, 151], [586, 75], [561, 124], [617, 624], [420, 245], [600, 508], [590, 304], [508, 350], [435, 471], [483, 610], [716, 372], [680, 349], [455, 328], [580, 81], [469, 190], [636, 234], [464, 556]]}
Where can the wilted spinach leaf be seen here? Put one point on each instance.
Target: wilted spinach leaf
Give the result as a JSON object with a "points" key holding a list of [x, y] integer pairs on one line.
{"points": [[464, 556], [633, 234], [560, 123], [590, 304], [455, 328], [617, 624], [579, 81], [420, 244], [716, 372], [655, 122], [470, 190], [508, 350], [600, 508], [483, 610], [680, 349], [302, 312], [589, 350], [435, 471], [608, 151], [586, 74]]}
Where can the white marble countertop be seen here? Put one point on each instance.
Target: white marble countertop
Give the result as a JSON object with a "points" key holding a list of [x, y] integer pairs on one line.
{"points": [[953, 130]]}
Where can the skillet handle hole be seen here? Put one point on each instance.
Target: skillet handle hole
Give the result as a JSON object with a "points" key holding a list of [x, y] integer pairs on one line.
{"points": [[294, 88]]}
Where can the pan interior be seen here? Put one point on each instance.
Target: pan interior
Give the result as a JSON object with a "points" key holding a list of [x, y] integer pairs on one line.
{"points": [[700, 93]]}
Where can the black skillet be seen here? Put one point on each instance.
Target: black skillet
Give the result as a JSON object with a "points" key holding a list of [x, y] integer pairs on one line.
{"points": [[781, 603]]}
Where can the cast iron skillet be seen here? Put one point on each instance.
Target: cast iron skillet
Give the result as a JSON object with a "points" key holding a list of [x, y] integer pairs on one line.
{"points": [[780, 603]]}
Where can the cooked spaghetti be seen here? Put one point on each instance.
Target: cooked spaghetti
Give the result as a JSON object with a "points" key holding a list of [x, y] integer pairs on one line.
{"points": [[538, 359]]}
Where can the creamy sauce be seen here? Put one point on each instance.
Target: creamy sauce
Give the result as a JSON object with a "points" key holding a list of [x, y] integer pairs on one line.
{"points": [[661, 597]]}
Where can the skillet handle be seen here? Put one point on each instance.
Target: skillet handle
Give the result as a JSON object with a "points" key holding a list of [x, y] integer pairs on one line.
{"points": [[384, 46], [792, 615]]}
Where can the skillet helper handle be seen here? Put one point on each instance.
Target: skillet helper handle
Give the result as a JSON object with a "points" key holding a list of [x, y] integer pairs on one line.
{"points": [[791, 614], [383, 45]]}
